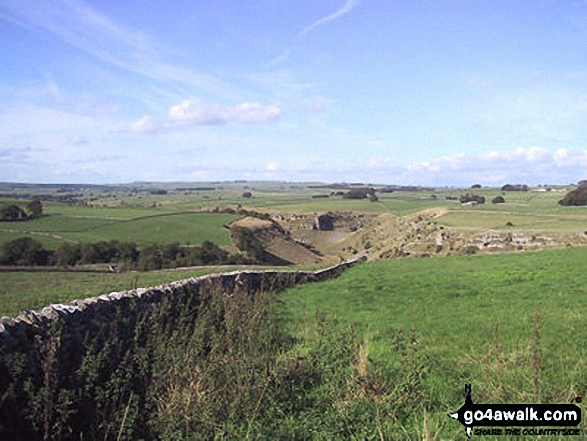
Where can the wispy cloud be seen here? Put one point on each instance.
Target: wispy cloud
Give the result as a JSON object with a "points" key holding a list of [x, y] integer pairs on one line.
{"points": [[197, 112], [146, 124], [350, 4], [92, 32]]}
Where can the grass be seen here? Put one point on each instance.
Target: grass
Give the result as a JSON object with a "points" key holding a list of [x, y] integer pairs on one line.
{"points": [[35, 290], [163, 227], [513, 325]]}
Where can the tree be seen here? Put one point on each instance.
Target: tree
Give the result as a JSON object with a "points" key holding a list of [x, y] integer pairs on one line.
{"points": [[12, 213], [35, 208], [24, 251], [576, 197], [67, 254], [472, 198], [246, 241], [151, 258]]}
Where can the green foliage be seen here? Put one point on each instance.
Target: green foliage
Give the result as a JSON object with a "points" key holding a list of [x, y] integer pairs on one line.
{"points": [[575, 197], [246, 241], [36, 208], [12, 213], [472, 198], [24, 251], [67, 254], [361, 193], [158, 256]]}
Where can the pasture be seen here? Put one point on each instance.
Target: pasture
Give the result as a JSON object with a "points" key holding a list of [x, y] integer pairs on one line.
{"points": [[385, 349], [82, 225], [512, 325]]}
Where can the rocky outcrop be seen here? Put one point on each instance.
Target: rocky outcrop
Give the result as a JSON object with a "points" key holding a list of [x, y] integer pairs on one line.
{"points": [[324, 222]]}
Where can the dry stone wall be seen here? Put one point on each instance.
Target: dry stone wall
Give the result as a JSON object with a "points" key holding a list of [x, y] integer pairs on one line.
{"points": [[43, 351]]}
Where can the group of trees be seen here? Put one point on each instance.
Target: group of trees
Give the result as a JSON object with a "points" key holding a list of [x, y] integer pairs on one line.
{"points": [[575, 197], [29, 252], [14, 212], [466, 198], [361, 193]]}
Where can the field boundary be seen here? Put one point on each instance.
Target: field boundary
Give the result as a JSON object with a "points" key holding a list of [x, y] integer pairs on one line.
{"points": [[42, 350]]}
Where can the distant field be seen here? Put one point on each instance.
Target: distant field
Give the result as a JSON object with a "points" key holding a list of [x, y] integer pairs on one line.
{"points": [[63, 223], [505, 323]]}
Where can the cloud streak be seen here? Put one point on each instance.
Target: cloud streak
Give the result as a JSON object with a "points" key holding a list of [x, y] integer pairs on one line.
{"points": [[197, 112], [92, 32], [350, 4]]}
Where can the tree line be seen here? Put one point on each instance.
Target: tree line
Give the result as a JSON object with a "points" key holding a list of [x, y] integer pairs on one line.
{"points": [[26, 251]]}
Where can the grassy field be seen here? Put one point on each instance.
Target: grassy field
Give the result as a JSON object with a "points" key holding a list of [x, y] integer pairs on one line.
{"points": [[67, 224], [34, 290], [512, 325]]}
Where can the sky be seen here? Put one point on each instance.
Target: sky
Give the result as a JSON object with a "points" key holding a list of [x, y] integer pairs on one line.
{"points": [[404, 92]]}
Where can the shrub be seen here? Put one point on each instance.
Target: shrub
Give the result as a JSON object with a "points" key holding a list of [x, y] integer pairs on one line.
{"points": [[24, 251], [517, 187], [576, 197], [359, 193], [246, 241], [36, 208], [67, 254], [12, 213], [498, 200], [472, 198]]}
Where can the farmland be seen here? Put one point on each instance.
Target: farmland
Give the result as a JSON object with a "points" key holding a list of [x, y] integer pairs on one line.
{"points": [[512, 325], [384, 350]]}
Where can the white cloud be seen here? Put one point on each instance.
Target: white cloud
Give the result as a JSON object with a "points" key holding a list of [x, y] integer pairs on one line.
{"points": [[197, 112], [534, 165], [146, 124], [350, 4]]}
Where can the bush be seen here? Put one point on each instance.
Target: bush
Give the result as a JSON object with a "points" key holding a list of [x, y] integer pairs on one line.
{"points": [[67, 254], [24, 251], [12, 213], [576, 197], [472, 198], [517, 187], [36, 208], [359, 193], [246, 241], [498, 200]]}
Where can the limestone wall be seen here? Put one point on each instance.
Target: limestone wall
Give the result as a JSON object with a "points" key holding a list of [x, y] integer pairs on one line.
{"points": [[41, 351]]}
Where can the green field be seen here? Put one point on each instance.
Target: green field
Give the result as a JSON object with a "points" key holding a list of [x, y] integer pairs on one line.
{"points": [[512, 325], [34, 290], [66, 224], [384, 351]]}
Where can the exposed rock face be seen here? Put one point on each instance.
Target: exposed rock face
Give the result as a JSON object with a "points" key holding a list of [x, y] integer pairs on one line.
{"points": [[324, 222]]}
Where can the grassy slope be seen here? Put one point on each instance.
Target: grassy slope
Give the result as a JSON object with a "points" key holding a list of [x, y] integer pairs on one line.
{"points": [[475, 320]]}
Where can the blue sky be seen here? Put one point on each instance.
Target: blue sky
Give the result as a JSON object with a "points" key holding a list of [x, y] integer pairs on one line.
{"points": [[428, 92]]}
